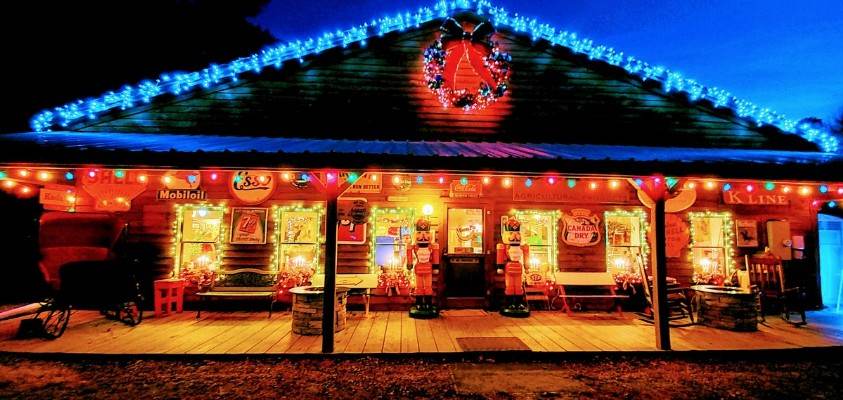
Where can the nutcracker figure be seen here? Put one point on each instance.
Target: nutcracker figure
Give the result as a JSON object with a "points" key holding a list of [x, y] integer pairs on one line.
{"points": [[425, 254], [511, 255]]}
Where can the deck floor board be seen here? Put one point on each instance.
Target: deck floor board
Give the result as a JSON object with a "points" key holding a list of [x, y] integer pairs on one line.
{"points": [[396, 332]]}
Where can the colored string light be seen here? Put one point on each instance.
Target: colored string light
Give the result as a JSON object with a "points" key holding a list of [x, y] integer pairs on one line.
{"points": [[274, 56]]}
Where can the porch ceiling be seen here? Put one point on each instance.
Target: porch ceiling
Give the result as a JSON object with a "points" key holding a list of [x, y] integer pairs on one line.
{"points": [[178, 149]]}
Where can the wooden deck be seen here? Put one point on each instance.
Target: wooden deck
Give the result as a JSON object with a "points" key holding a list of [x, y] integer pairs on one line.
{"points": [[394, 332]]}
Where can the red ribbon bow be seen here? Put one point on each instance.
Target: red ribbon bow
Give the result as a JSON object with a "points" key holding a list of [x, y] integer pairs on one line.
{"points": [[473, 45]]}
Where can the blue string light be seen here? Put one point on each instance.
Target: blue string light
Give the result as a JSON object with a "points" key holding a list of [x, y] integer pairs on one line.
{"points": [[178, 83], [69, 176], [727, 187]]}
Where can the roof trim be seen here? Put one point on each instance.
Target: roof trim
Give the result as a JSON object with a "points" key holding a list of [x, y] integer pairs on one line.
{"points": [[180, 82], [195, 151]]}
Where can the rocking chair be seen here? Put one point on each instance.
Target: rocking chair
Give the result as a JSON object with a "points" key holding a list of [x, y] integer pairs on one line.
{"points": [[766, 274], [678, 304]]}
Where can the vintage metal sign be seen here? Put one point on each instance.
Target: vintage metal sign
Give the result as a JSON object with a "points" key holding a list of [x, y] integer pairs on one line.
{"points": [[760, 199], [367, 183], [677, 235], [471, 189], [580, 228], [252, 186], [113, 190], [352, 216], [181, 194]]}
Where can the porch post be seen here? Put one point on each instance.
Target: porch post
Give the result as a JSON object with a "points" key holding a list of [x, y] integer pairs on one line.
{"points": [[660, 307], [329, 301]]}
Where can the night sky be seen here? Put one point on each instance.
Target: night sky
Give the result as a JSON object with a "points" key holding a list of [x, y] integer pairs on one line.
{"points": [[783, 54]]}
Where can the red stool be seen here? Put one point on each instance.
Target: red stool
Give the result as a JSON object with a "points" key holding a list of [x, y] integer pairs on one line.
{"points": [[169, 296]]}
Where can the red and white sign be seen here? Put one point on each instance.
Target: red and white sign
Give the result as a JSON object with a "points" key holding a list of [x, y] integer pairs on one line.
{"points": [[252, 186], [352, 216], [471, 189], [113, 190], [581, 228], [677, 235]]}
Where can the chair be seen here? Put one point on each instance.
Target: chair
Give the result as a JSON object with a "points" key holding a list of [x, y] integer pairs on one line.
{"points": [[678, 304], [766, 274], [536, 288]]}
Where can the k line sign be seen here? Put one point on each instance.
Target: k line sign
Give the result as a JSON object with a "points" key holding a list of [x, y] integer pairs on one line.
{"points": [[761, 199]]}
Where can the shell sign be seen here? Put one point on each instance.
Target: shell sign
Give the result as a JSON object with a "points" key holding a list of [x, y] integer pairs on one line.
{"points": [[581, 228], [252, 186], [113, 190]]}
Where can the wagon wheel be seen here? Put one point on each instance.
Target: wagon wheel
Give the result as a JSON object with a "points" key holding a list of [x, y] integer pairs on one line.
{"points": [[55, 322], [130, 313]]}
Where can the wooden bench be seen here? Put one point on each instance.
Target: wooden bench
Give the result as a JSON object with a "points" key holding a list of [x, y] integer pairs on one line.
{"points": [[249, 283], [601, 285]]}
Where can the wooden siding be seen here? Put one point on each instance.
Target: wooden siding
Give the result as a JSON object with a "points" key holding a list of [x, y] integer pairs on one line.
{"points": [[378, 92], [151, 221]]}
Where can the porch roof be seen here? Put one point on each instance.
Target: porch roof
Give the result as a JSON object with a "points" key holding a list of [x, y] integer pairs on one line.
{"points": [[206, 149]]}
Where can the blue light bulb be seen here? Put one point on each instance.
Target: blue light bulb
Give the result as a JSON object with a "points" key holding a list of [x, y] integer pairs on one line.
{"points": [[69, 175], [727, 187]]}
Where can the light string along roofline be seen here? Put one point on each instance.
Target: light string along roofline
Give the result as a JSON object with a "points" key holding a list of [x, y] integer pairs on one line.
{"points": [[180, 82]]}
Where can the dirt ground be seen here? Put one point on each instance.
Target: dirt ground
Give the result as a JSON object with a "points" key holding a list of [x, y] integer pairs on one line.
{"points": [[740, 376]]}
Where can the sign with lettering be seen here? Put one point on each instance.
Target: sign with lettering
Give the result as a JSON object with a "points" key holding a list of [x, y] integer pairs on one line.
{"points": [[181, 179], [368, 183], [677, 235], [352, 216], [62, 196], [252, 186], [248, 225], [540, 190], [760, 199], [113, 190], [580, 228], [181, 194], [471, 189]]}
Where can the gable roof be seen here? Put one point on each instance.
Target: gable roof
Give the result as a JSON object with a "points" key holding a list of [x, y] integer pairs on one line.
{"points": [[224, 75]]}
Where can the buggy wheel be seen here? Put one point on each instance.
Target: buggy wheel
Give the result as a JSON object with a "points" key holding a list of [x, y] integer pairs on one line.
{"points": [[55, 322], [130, 313]]}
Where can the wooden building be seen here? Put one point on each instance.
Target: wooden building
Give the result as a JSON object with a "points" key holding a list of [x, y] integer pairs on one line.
{"points": [[568, 139]]}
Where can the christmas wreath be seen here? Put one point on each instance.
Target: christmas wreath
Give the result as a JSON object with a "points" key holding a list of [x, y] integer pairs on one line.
{"points": [[442, 58]]}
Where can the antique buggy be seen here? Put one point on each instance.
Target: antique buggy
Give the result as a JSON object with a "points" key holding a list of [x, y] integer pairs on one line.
{"points": [[83, 265]]}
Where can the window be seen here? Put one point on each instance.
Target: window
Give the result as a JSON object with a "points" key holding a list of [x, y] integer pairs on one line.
{"points": [[198, 237], [712, 246], [538, 230], [392, 230], [626, 242], [465, 231], [298, 237]]}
